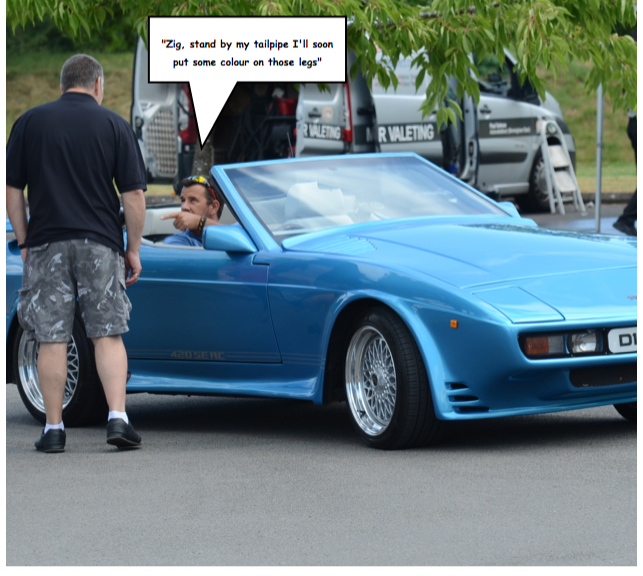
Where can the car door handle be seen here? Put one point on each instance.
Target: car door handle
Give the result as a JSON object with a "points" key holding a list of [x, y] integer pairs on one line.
{"points": [[485, 110], [314, 114]]}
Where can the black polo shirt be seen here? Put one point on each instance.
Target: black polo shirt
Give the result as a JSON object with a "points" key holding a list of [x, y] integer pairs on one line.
{"points": [[70, 153]]}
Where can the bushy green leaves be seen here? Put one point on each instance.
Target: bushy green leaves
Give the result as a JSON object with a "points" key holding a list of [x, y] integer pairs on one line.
{"points": [[440, 34]]}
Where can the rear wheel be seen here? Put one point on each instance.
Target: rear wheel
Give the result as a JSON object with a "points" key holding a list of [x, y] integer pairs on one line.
{"points": [[387, 388], [537, 199], [84, 400], [627, 410]]}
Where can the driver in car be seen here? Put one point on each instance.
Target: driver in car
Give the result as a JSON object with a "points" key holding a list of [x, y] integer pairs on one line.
{"points": [[200, 207]]}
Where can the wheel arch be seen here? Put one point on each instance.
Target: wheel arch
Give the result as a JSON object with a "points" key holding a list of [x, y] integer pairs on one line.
{"points": [[333, 384]]}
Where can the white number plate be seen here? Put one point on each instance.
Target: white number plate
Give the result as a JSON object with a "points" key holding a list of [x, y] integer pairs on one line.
{"points": [[622, 340]]}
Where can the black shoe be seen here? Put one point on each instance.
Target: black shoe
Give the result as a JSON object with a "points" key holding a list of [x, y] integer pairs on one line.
{"points": [[625, 227], [53, 441], [121, 434]]}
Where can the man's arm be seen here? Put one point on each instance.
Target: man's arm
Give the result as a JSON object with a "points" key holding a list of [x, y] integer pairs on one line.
{"points": [[188, 221], [17, 212], [134, 209]]}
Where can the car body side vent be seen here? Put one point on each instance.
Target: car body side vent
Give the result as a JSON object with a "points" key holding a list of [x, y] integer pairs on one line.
{"points": [[455, 386], [461, 401]]}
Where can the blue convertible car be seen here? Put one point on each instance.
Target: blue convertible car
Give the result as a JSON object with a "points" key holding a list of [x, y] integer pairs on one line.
{"points": [[378, 280]]}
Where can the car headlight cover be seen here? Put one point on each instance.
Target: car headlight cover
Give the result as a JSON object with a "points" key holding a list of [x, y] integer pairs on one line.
{"points": [[562, 344], [588, 342]]}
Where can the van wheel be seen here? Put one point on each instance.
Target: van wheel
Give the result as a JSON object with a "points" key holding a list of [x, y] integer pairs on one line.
{"points": [[537, 199], [83, 401]]}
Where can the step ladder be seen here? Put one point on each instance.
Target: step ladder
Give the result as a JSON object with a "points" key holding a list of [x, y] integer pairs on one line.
{"points": [[562, 185]]}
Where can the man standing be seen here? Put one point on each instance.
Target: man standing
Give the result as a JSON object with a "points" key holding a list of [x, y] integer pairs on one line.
{"points": [[200, 207], [625, 222], [69, 153]]}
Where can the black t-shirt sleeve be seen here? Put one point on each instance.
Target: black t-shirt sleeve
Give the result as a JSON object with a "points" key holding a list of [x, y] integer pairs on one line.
{"points": [[16, 165], [130, 173]]}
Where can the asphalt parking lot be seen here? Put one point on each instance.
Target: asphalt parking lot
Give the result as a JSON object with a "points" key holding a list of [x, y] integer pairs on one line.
{"points": [[259, 482]]}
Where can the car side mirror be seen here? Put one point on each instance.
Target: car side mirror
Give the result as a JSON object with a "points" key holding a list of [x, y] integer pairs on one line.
{"points": [[228, 239]]}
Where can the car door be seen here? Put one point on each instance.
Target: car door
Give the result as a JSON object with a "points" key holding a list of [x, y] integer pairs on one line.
{"points": [[201, 306]]}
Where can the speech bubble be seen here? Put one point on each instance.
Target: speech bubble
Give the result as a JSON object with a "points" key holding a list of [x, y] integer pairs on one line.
{"points": [[214, 53]]}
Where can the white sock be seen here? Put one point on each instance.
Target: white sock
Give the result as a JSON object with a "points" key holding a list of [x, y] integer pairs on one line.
{"points": [[116, 414], [48, 427]]}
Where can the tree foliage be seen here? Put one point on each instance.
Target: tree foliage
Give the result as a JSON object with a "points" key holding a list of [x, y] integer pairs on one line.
{"points": [[440, 34], [118, 34]]}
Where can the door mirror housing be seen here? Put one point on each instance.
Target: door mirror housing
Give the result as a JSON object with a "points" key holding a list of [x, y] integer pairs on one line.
{"points": [[228, 239]]}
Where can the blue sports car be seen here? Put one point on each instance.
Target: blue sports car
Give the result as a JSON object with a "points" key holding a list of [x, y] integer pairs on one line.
{"points": [[378, 280]]}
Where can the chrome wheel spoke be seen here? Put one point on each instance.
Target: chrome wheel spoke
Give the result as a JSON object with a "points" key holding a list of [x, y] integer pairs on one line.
{"points": [[28, 372], [371, 382]]}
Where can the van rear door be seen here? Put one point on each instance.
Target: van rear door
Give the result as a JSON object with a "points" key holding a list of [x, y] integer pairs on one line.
{"points": [[154, 119], [339, 121], [401, 127]]}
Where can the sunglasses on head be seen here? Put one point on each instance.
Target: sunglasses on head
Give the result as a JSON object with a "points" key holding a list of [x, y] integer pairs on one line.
{"points": [[190, 180]]}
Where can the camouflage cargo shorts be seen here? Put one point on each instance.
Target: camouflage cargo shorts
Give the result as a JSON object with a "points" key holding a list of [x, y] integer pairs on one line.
{"points": [[59, 274]]}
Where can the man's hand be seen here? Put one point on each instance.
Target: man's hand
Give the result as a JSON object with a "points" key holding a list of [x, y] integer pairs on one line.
{"points": [[17, 212], [134, 208], [133, 267], [184, 220]]}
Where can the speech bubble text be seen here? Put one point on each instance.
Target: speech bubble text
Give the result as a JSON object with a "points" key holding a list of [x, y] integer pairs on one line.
{"points": [[214, 53]]}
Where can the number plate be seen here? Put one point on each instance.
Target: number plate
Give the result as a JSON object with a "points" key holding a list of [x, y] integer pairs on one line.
{"points": [[622, 340]]}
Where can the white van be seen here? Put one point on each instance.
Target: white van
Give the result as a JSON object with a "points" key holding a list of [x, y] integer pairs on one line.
{"points": [[495, 147], [509, 162]]}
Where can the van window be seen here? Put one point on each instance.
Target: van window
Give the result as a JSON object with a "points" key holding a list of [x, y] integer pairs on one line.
{"points": [[493, 77], [313, 92]]}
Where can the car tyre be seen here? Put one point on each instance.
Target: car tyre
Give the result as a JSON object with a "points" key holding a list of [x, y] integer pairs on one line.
{"points": [[387, 387], [84, 400], [627, 410]]}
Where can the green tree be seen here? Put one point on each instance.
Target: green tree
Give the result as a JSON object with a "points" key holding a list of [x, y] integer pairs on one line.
{"points": [[440, 33], [118, 34]]}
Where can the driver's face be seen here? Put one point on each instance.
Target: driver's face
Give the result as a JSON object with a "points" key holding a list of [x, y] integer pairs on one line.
{"points": [[193, 200]]}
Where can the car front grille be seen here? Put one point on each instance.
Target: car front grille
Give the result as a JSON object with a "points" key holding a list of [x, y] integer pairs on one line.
{"points": [[603, 375]]}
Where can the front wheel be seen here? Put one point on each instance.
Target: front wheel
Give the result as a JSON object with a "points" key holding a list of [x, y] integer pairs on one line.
{"points": [[387, 388], [83, 401], [627, 410]]}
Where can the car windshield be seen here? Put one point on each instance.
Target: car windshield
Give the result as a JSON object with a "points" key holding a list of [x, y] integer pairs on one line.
{"points": [[293, 198]]}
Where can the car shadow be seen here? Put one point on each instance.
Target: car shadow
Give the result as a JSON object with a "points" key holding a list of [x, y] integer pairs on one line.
{"points": [[285, 421], [242, 417], [298, 421], [572, 428]]}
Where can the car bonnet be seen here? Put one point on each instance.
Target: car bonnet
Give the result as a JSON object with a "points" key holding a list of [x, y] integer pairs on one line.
{"points": [[528, 273]]}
